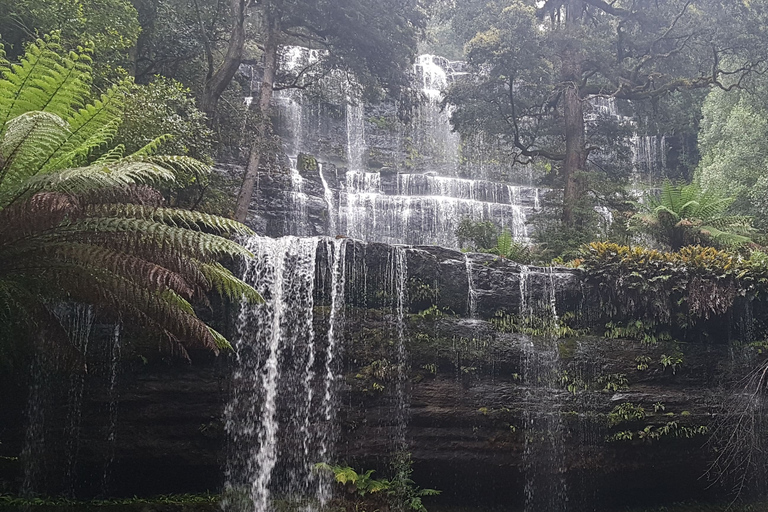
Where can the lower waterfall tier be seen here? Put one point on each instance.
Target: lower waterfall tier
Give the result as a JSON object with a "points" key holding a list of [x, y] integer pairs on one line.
{"points": [[473, 365]]}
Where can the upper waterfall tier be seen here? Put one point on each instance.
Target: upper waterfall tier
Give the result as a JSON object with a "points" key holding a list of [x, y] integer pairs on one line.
{"points": [[385, 206]]}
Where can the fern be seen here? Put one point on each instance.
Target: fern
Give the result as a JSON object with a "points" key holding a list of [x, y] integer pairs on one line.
{"points": [[686, 215], [78, 226]]}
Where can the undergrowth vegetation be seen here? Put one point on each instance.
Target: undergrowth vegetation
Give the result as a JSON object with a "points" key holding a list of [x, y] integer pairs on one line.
{"points": [[644, 292]]}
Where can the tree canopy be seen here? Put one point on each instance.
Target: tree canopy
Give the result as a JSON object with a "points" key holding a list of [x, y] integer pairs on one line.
{"points": [[539, 63]]}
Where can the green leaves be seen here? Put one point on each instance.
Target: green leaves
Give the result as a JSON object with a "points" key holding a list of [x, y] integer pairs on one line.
{"points": [[687, 215], [78, 227]]}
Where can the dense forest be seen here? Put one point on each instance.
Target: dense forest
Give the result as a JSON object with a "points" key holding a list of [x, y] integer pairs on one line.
{"points": [[154, 152]]}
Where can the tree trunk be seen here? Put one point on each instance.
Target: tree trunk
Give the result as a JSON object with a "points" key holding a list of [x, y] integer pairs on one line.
{"points": [[263, 129], [218, 81], [573, 114]]}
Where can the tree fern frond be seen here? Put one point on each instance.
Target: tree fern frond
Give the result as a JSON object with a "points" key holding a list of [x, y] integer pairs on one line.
{"points": [[97, 233], [82, 180], [187, 219], [153, 146], [165, 311], [92, 126], [27, 141], [112, 156], [182, 165], [5, 66], [229, 286], [143, 195], [70, 85], [220, 340], [204, 246], [148, 273], [39, 213]]}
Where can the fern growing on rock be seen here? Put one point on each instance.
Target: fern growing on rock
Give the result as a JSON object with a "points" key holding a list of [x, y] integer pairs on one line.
{"points": [[80, 221]]}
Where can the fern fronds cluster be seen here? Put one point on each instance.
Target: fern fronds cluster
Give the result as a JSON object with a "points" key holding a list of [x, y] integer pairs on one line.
{"points": [[686, 215], [80, 221]]}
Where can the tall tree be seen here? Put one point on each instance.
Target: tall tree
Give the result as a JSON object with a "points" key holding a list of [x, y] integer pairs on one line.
{"points": [[538, 63], [734, 148]]}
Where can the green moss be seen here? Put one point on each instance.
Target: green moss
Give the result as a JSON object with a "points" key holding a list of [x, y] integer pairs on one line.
{"points": [[307, 163]]}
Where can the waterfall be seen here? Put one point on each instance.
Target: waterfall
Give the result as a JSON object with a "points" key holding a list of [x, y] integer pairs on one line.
{"points": [[398, 274], [471, 290], [278, 422], [355, 135], [78, 323], [34, 452], [299, 200], [115, 355], [419, 209], [649, 159], [329, 404], [328, 195], [433, 135], [544, 449]]}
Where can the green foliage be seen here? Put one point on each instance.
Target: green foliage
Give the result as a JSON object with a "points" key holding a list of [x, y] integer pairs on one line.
{"points": [[686, 215], [477, 235], [398, 493], [626, 412], [376, 375], [81, 222], [644, 292], [613, 382], [508, 248], [363, 483], [534, 325], [642, 363], [422, 295], [572, 383], [431, 314], [734, 152], [403, 491], [111, 25], [672, 361], [485, 236], [650, 433], [648, 332], [163, 113]]}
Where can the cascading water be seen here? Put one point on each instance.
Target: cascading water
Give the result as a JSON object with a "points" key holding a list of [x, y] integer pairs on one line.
{"points": [[398, 274], [426, 210], [335, 326], [279, 425], [544, 455], [649, 158], [299, 199], [355, 135], [78, 322], [328, 196], [471, 290], [433, 136], [115, 355]]}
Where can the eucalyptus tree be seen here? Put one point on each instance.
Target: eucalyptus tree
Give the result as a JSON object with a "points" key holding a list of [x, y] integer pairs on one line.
{"points": [[539, 63], [80, 220]]}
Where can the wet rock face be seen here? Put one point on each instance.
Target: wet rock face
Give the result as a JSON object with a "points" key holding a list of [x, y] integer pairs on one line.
{"points": [[489, 412]]}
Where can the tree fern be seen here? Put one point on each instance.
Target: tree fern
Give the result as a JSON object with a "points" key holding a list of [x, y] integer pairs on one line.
{"points": [[80, 221], [685, 214]]}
